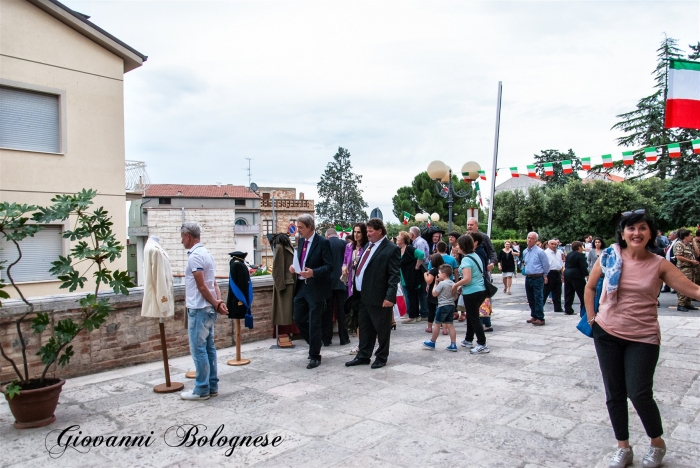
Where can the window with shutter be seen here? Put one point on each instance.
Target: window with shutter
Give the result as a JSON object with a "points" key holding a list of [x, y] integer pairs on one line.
{"points": [[29, 120], [37, 254]]}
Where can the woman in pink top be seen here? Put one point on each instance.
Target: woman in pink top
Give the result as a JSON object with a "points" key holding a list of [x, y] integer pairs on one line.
{"points": [[626, 331]]}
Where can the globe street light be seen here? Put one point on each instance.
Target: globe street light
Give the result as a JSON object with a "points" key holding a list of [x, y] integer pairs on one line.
{"points": [[442, 174]]}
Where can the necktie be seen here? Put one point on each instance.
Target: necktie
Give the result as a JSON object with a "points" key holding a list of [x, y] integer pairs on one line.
{"points": [[364, 259], [303, 253]]}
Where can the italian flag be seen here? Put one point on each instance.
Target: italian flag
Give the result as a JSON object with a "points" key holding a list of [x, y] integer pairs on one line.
{"points": [[478, 192], [696, 146], [683, 100], [531, 170], [406, 217], [651, 154], [548, 169], [628, 158], [674, 150], [465, 177], [514, 172], [607, 160], [586, 163], [566, 165], [482, 175]]}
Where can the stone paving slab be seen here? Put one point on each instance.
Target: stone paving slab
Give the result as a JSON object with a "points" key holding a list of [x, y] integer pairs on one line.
{"points": [[536, 400]]}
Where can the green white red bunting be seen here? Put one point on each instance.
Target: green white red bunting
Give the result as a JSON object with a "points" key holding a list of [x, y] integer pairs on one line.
{"points": [[696, 146], [406, 217], [651, 154], [628, 158], [548, 169], [566, 166], [514, 172], [674, 150], [586, 163], [683, 100], [465, 177], [607, 160], [531, 170], [482, 175]]}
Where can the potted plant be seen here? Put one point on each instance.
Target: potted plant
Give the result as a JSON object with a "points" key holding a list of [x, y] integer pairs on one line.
{"points": [[33, 399]]}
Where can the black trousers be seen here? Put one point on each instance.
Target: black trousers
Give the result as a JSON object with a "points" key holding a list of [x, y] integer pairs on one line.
{"points": [[335, 302], [573, 285], [375, 325], [412, 303], [628, 371], [432, 308], [471, 303], [308, 317], [553, 286]]}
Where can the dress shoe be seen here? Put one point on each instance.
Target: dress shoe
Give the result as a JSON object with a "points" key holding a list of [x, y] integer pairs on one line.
{"points": [[538, 323], [343, 343], [377, 364], [313, 363], [357, 362], [691, 307], [682, 309], [327, 344], [531, 319], [559, 311]]}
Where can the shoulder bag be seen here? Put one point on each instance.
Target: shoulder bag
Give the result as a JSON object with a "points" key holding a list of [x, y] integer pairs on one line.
{"points": [[491, 290]]}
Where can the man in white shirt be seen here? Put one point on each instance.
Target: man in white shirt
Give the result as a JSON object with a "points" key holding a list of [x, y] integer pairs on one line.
{"points": [[555, 275], [203, 301]]}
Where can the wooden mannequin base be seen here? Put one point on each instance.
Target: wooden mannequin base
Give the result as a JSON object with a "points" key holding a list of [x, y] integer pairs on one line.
{"points": [[238, 362], [191, 374], [174, 387]]}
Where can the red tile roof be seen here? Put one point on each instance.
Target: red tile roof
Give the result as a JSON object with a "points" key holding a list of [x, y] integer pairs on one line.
{"points": [[199, 191]]}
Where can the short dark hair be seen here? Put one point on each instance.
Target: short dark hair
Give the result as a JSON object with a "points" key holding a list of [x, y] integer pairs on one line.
{"points": [[447, 269], [683, 233], [477, 237], [454, 234], [436, 260], [635, 218], [442, 247], [377, 224], [576, 245], [466, 244]]}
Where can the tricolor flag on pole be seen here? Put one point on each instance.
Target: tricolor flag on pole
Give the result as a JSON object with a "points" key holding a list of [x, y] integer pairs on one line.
{"points": [[566, 165], [696, 146], [683, 99], [478, 192], [482, 175], [406, 217], [548, 169], [607, 160], [514, 172], [531, 170], [674, 150], [465, 177], [628, 158], [651, 154], [586, 163]]}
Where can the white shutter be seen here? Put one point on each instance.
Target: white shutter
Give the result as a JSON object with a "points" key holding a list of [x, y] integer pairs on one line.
{"points": [[29, 120], [37, 254]]}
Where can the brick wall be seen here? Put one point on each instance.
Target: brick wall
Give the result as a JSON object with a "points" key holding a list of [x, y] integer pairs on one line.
{"points": [[126, 338]]}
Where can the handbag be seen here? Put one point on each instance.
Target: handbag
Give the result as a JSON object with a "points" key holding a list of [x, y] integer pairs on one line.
{"points": [[583, 325], [491, 290]]}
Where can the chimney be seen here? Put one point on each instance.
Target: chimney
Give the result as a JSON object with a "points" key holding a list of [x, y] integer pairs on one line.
{"points": [[301, 195]]}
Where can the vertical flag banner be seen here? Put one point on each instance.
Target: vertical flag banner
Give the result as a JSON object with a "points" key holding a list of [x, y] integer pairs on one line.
{"points": [[696, 146], [566, 165], [586, 162], [674, 150], [478, 193], [406, 217], [531, 170], [548, 169], [683, 100], [482, 175], [607, 160], [514, 172], [651, 154], [628, 158]]}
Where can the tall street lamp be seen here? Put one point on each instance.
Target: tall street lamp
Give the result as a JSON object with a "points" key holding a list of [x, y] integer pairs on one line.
{"points": [[442, 175]]}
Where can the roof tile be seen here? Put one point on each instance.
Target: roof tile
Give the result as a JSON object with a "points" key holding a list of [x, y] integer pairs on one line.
{"points": [[199, 191]]}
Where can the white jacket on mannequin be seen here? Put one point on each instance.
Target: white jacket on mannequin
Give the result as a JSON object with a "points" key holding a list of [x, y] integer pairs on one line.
{"points": [[158, 297]]}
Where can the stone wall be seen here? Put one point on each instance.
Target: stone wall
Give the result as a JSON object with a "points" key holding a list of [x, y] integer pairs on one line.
{"points": [[126, 338]]}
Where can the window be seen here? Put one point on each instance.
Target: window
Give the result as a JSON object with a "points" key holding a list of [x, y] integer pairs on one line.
{"points": [[37, 254], [29, 121], [240, 202], [267, 227], [241, 222], [164, 201]]}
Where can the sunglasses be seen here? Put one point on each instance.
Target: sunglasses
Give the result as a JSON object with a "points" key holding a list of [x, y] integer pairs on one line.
{"points": [[630, 213]]}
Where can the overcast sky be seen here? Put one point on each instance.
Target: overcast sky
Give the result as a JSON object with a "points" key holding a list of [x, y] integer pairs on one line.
{"points": [[397, 83]]}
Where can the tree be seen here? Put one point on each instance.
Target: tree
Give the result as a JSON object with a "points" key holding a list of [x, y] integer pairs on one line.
{"points": [[422, 196], [341, 197], [556, 157], [680, 205]]}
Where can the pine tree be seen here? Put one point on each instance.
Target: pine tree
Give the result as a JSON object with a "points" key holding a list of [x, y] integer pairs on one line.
{"points": [[341, 197]]}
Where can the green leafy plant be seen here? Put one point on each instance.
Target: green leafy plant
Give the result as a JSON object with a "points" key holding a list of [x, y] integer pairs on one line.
{"points": [[94, 248]]}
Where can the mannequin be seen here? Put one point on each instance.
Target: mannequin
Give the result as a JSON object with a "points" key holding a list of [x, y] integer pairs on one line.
{"points": [[283, 286], [159, 300], [239, 300]]}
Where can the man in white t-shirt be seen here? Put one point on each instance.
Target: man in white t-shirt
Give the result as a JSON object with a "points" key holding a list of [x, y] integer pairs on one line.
{"points": [[203, 301]]}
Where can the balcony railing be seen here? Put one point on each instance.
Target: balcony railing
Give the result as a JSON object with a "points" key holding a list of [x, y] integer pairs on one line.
{"points": [[286, 203], [247, 229]]}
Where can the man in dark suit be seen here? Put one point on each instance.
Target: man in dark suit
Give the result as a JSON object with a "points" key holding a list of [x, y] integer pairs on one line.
{"points": [[313, 285], [339, 292], [375, 283]]}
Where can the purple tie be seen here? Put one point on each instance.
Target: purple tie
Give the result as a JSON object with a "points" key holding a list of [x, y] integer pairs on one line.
{"points": [[364, 259], [303, 253]]}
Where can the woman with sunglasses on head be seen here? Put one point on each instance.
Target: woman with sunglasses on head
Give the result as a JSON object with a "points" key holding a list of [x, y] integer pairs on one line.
{"points": [[353, 253], [626, 330]]}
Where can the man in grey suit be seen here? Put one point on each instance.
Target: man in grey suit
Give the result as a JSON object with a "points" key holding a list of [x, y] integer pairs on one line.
{"points": [[339, 292], [375, 283]]}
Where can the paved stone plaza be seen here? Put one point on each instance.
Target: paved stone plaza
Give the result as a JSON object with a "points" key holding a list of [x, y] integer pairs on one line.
{"points": [[536, 400]]}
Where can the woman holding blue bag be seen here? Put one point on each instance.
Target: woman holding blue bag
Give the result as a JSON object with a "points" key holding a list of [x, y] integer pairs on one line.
{"points": [[626, 330]]}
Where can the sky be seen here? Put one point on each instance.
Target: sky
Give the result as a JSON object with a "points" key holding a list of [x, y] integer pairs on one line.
{"points": [[397, 83]]}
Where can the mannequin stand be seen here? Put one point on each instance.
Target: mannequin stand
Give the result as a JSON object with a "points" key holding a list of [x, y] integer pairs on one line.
{"points": [[168, 386], [191, 374], [238, 361]]}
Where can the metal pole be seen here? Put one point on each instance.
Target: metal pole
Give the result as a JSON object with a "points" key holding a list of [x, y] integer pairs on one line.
{"points": [[495, 157], [450, 189]]}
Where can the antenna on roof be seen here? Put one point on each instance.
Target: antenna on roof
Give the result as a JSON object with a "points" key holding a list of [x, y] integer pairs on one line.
{"points": [[249, 178]]}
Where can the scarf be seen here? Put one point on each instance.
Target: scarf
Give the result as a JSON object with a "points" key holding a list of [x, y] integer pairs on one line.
{"points": [[611, 264]]}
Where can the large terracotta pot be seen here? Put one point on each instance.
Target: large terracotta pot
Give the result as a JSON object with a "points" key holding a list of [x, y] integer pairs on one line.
{"points": [[35, 407]]}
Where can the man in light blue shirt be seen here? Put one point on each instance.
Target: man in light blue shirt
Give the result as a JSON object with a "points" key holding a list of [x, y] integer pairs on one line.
{"points": [[535, 269]]}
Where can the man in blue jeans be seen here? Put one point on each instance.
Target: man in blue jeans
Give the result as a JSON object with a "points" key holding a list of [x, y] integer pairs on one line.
{"points": [[203, 301], [535, 269]]}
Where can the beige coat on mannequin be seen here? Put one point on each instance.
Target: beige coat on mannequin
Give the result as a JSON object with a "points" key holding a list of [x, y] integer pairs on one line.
{"points": [[158, 298]]}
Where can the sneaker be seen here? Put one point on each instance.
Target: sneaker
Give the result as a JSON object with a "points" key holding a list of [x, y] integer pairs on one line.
{"points": [[621, 458], [429, 344], [213, 394], [480, 349], [467, 344], [452, 347], [193, 396], [653, 457]]}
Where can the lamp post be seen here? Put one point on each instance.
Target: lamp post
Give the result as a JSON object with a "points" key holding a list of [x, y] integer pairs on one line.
{"points": [[442, 175]]}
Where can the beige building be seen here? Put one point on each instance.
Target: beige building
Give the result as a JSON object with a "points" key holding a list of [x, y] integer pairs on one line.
{"points": [[279, 208], [61, 121]]}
